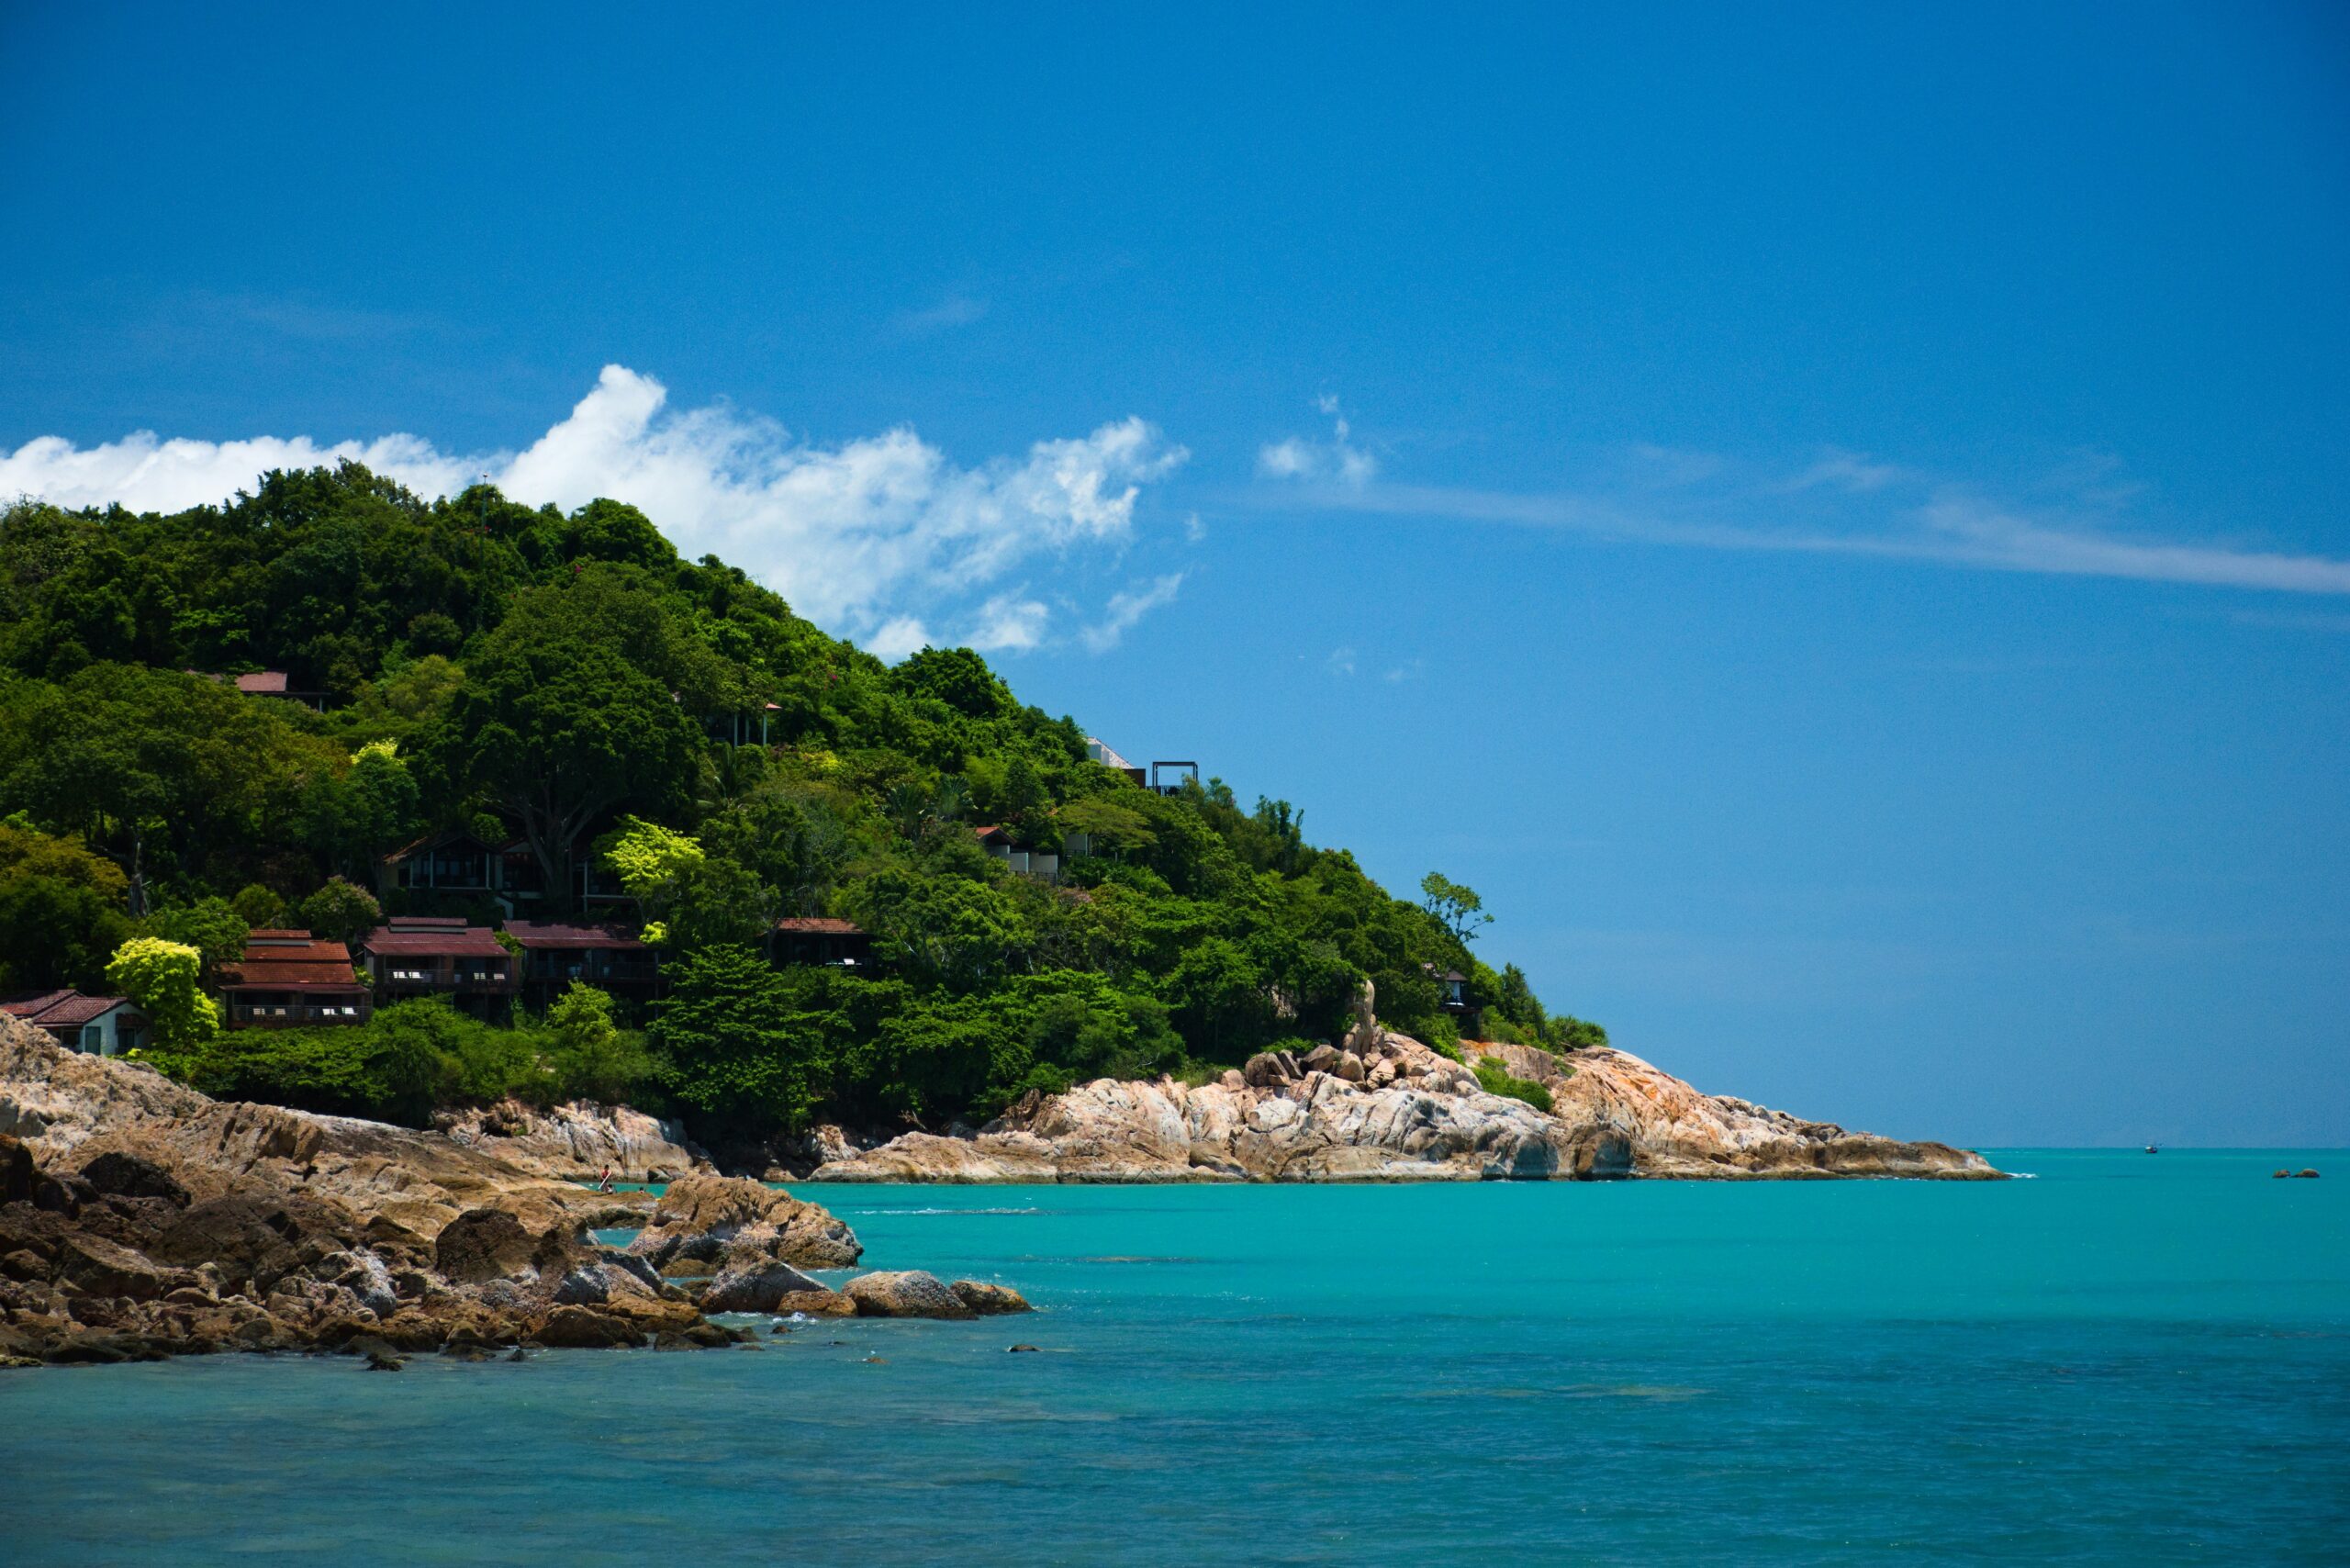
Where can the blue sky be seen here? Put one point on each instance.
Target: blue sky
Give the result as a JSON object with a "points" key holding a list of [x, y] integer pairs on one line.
{"points": [[1832, 518]]}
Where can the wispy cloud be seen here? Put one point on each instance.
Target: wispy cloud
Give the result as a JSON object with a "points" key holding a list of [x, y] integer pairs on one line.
{"points": [[1340, 662], [879, 537], [1336, 460], [1851, 471], [955, 310], [1127, 608], [1900, 516]]}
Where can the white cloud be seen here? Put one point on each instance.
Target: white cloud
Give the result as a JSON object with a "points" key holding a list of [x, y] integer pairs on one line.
{"points": [[894, 639], [147, 474], [1009, 623], [1127, 608], [1341, 661], [868, 537], [1336, 460]]}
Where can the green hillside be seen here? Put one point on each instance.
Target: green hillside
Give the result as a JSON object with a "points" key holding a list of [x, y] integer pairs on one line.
{"points": [[567, 683]]}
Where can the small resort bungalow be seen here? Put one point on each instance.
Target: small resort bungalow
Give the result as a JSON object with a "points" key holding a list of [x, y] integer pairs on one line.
{"points": [[289, 978], [998, 842], [101, 1025], [609, 958], [827, 944], [442, 956]]}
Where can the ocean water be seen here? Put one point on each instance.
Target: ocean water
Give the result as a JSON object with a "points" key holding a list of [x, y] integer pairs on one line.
{"points": [[2125, 1359]]}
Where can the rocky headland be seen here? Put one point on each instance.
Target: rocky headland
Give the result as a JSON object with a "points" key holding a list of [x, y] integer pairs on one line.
{"points": [[140, 1219], [1385, 1108]]}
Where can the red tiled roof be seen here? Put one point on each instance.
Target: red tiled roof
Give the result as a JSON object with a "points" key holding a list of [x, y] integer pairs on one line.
{"points": [[63, 1009], [818, 926], [35, 1004], [554, 934], [454, 940], [267, 682], [984, 834], [290, 960]]}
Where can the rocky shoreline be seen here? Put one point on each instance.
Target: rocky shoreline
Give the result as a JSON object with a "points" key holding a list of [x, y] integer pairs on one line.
{"points": [[1387, 1108], [140, 1219]]}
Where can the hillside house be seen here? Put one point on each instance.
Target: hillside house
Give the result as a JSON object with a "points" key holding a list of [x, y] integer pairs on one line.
{"points": [[98, 1025], [290, 979], [819, 942], [609, 958], [1457, 1001], [458, 865], [998, 842], [437, 956], [1100, 752]]}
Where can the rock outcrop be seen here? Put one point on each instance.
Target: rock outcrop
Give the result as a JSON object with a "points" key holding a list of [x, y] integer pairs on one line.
{"points": [[577, 1142], [1389, 1109], [140, 1219]]}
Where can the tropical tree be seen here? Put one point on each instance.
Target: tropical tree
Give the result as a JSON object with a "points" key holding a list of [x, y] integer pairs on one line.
{"points": [[560, 725], [1457, 908], [162, 978], [341, 911]]}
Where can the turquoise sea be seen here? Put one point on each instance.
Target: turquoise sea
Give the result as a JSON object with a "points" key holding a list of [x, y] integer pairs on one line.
{"points": [[2127, 1359]]}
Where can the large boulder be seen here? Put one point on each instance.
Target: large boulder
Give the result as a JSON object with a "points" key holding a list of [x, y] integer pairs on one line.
{"points": [[703, 1210], [585, 1328], [989, 1300], [757, 1285], [248, 1238], [905, 1293], [17, 1173], [484, 1244], [127, 1175], [102, 1268]]}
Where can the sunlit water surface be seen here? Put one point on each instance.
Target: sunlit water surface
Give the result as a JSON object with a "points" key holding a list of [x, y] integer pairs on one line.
{"points": [[2128, 1359]]}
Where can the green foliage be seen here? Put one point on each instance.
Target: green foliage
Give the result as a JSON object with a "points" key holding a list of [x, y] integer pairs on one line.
{"points": [[1566, 1034], [260, 908], [590, 1056], [162, 978], [341, 911], [60, 911], [211, 927], [729, 1042], [1495, 1080], [1457, 908]]}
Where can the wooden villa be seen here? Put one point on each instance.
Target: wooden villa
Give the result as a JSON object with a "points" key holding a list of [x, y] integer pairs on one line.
{"points": [[822, 943], [289, 978], [609, 958], [442, 956]]}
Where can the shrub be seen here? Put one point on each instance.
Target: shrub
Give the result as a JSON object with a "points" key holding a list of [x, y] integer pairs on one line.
{"points": [[1495, 1080]]}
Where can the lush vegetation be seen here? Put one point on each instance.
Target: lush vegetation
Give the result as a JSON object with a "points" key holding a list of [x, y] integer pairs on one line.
{"points": [[566, 680]]}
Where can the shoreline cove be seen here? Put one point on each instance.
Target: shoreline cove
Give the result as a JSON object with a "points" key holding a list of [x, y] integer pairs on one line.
{"points": [[2128, 1359]]}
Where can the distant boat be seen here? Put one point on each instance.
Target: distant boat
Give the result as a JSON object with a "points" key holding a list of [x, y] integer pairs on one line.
{"points": [[2154, 1149]]}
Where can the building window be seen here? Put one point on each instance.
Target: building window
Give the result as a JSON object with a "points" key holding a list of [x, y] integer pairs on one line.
{"points": [[93, 1039]]}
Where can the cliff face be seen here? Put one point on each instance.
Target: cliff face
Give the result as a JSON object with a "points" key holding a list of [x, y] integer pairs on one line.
{"points": [[1396, 1111]]}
